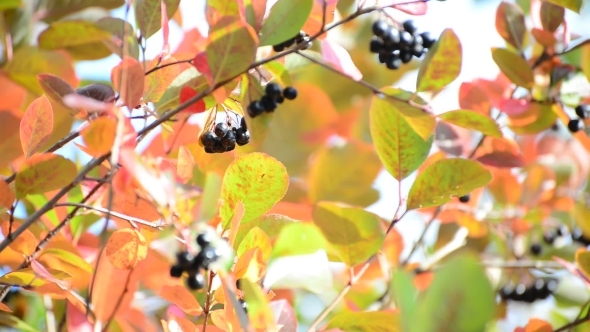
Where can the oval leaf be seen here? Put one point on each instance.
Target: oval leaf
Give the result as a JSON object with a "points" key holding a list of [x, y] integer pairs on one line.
{"points": [[355, 233], [298, 239], [148, 14], [284, 21], [256, 238], [444, 179], [7, 196], [514, 67], [36, 125], [551, 16], [54, 86], [99, 136], [128, 79], [25, 243], [442, 64], [510, 24], [259, 310], [125, 248], [68, 257], [336, 55], [180, 296], [372, 321], [258, 180], [472, 120], [71, 33], [574, 5], [399, 147], [42, 173]]}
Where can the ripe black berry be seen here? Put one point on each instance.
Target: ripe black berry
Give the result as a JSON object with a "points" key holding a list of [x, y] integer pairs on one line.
{"points": [[379, 28], [203, 240], [176, 271], [405, 55], [280, 100], [417, 50], [549, 237], [268, 104], [221, 129], [183, 259], [229, 139], [536, 249], [574, 125], [255, 109], [427, 40], [195, 281], [290, 93], [409, 26], [207, 256], [418, 40], [244, 305], [393, 62], [242, 137], [560, 231], [383, 57], [406, 38], [278, 48], [582, 111], [208, 139], [391, 36], [209, 149], [464, 199], [243, 123], [218, 147], [376, 45], [273, 90]]}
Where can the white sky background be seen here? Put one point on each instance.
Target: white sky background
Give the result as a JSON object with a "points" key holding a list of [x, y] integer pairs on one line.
{"points": [[472, 21]]}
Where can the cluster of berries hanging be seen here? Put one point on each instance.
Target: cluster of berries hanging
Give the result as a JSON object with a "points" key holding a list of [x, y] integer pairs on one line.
{"points": [[274, 95], [396, 46], [186, 262], [301, 37], [582, 111], [223, 136], [550, 236], [539, 290]]}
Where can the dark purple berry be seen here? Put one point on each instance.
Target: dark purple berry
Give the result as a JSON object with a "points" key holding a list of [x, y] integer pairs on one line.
{"points": [[243, 123], [406, 38], [383, 57], [273, 90], [290, 93], [183, 259], [207, 256], [582, 111], [405, 55], [394, 62], [427, 40], [391, 36], [195, 281], [176, 271], [549, 237], [464, 199], [268, 103], [379, 28], [242, 136], [409, 26], [278, 48], [218, 147], [229, 139], [221, 129], [536, 249], [417, 51], [376, 45], [208, 139], [574, 125], [203, 240], [255, 109]]}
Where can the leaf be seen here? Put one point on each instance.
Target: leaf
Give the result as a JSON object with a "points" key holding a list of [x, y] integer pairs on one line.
{"points": [[298, 239], [551, 16], [76, 319], [510, 24], [185, 164], [5, 308], [472, 120], [538, 325], [583, 261], [125, 248], [574, 5], [358, 166], [339, 58], [537, 118], [215, 10], [369, 321], [285, 20], [42, 173], [148, 14], [258, 180], [14, 322], [123, 41], [230, 50], [36, 125], [187, 93], [400, 148], [181, 297], [468, 297], [256, 238], [27, 277], [514, 67], [580, 214], [472, 97], [7, 196], [68, 257], [293, 272], [442, 63], [64, 34], [99, 136], [404, 294], [258, 307], [444, 179], [55, 87], [60, 8], [279, 72], [255, 10], [158, 81], [284, 315], [10, 4], [355, 233], [271, 224], [25, 243], [128, 79]]}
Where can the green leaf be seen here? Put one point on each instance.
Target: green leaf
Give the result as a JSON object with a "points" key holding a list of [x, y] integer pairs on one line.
{"points": [[44, 172], [60, 8], [231, 49], [279, 71], [510, 24], [371, 321], [459, 296], [514, 67], [444, 179], [442, 63], [256, 238], [574, 5], [256, 179], [69, 257], [581, 215], [270, 223], [65, 34], [28, 277], [122, 30], [472, 120], [354, 233], [259, 309], [400, 148], [148, 14], [7, 319], [9, 4], [298, 239], [285, 20], [358, 166], [404, 294], [542, 115]]}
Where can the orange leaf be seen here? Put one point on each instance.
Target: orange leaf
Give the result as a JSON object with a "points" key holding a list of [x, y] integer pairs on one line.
{"points": [[125, 248], [313, 24], [128, 79], [112, 288], [157, 82], [76, 319], [7, 197], [393, 246], [99, 136], [185, 164], [25, 243], [537, 325], [181, 324], [180, 296], [4, 307], [36, 125], [42, 173]]}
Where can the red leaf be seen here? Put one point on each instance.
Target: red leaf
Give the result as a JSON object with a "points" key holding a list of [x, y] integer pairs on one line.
{"points": [[76, 319], [165, 29], [200, 62], [36, 125], [339, 58], [501, 159], [514, 107], [187, 93], [128, 79], [416, 8], [472, 97]]}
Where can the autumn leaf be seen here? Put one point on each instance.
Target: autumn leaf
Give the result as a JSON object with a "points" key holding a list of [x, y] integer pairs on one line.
{"points": [[472, 120], [42, 173], [339, 58], [284, 21], [442, 63], [148, 14], [128, 79], [36, 125], [125, 248], [25, 243], [514, 67], [510, 24], [180, 296], [99, 136], [185, 164], [7, 196]]}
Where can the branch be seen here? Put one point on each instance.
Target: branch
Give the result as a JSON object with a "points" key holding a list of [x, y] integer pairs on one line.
{"points": [[207, 301], [166, 65], [573, 324], [130, 219]]}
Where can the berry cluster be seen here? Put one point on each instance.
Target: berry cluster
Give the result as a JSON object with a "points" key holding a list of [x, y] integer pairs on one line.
{"points": [[224, 137], [582, 111], [550, 236], [274, 95], [539, 290], [301, 37], [578, 236], [186, 262], [398, 46]]}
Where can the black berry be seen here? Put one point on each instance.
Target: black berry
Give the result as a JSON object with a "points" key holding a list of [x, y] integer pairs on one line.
{"points": [[221, 129], [242, 137], [278, 48], [290, 93], [203, 240], [229, 139], [207, 256], [582, 111], [268, 104], [464, 199], [549, 237], [417, 50], [195, 281], [406, 38], [183, 259], [574, 125], [209, 149], [255, 109], [393, 62], [208, 139], [176, 271], [383, 57], [243, 123], [536, 249], [218, 147], [405, 55], [273, 90], [244, 305], [427, 40], [379, 28], [391, 36], [409, 26], [376, 45], [418, 40]]}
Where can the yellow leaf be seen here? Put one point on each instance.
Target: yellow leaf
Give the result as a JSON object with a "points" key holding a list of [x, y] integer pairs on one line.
{"points": [[125, 248]]}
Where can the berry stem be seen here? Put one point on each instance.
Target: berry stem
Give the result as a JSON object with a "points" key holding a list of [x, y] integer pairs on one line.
{"points": [[207, 301]]}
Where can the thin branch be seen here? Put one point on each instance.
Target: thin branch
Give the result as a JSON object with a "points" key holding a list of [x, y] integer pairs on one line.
{"points": [[540, 265], [130, 219], [421, 238], [573, 324], [207, 301], [166, 65]]}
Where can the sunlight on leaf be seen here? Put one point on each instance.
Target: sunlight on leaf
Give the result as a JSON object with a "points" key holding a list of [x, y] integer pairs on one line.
{"points": [[28, 277], [125, 248], [293, 272], [36, 125], [128, 79], [44, 172], [284, 21], [339, 58], [99, 136], [180, 296], [270, 223], [514, 67], [442, 63], [472, 120], [299, 239], [68, 257], [256, 238], [372, 321], [185, 164], [25, 243]]}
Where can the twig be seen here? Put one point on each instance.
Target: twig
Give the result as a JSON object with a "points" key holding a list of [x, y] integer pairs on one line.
{"points": [[207, 301], [130, 219], [421, 238], [575, 323], [523, 265], [166, 65]]}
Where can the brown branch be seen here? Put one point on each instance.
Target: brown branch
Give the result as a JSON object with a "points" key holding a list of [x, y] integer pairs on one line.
{"points": [[207, 301], [130, 219], [575, 323], [158, 67]]}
